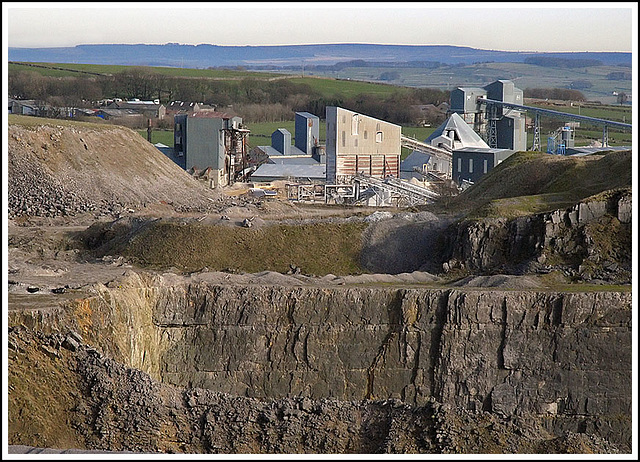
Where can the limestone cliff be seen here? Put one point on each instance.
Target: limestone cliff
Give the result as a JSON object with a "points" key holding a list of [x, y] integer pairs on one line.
{"points": [[564, 358], [588, 241]]}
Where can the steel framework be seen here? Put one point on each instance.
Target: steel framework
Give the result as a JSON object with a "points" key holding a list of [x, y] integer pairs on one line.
{"points": [[490, 103]]}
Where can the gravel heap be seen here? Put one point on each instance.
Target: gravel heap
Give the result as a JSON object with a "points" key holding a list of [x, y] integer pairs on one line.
{"points": [[58, 171]]}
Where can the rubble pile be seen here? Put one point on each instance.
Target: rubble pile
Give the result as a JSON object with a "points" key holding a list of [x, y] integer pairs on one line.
{"points": [[57, 171], [118, 409]]}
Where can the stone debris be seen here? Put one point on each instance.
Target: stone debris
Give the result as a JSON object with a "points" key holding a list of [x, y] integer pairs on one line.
{"points": [[121, 410]]}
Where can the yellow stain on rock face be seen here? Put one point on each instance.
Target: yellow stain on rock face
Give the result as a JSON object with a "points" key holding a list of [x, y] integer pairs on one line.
{"points": [[83, 314]]}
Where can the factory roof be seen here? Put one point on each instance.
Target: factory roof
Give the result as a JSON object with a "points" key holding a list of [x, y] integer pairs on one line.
{"points": [[475, 89], [465, 136], [291, 160], [482, 149], [308, 115], [212, 115], [273, 152], [415, 159], [270, 172]]}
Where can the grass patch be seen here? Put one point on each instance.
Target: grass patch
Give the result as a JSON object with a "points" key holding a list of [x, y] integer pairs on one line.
{"points": [[332, 88], [317, 249], [75, 69], [159, 136], [535, 182], [513, 207]]}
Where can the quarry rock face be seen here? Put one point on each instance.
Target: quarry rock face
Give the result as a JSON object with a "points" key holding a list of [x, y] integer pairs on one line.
{"points": [[562, 239], [510, 354]]}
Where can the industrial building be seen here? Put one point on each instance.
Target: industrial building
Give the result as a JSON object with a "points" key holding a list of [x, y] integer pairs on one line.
{"points": [[454, 133], [359, 144], [302, 161], [470, 164], [307, 131], [211, 142], [503, 127]]}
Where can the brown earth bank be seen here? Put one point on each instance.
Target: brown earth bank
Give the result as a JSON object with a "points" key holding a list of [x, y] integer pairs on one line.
{"points": [[149, 313]]}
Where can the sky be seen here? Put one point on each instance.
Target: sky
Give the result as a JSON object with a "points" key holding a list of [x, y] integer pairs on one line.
{"points": [[519, 26]]}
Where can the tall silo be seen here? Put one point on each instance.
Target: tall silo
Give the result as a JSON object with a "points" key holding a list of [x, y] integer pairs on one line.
{"points": [[307, 132], [510, 124]]}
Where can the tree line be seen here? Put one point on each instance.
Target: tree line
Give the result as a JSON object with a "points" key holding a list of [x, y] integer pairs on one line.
{"points": [[255, 100]]}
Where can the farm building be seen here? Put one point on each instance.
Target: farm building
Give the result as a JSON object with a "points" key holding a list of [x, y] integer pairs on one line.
{"points": [[149, 109], [211, 141], [24, 107], [184, 107], [120, 114], [359, 144]]}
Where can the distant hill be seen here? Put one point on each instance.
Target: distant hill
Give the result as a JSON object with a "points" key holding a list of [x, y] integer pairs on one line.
{"points": [[204, 55]]}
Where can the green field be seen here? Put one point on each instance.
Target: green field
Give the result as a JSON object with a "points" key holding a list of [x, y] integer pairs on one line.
{"points": [[329, 88], [352, 81], [73, 70], [478, 75]]}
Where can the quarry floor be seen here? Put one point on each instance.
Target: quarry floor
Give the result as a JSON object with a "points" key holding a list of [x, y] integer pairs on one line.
{"points": [[44, 269]]}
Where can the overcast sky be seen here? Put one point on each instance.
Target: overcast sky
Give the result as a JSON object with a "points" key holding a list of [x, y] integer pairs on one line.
{"points": [[498, 26]]}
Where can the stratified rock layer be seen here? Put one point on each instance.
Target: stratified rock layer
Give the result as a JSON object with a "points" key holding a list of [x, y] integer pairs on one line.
{"points": [[564, 358]]}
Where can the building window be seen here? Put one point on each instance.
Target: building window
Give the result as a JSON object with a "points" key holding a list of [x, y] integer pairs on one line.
{"points": [[355, 142], [365, 134], [354, 124], [344, 139], [459, 165], [378, 137], [470, 165], [486, 165]]}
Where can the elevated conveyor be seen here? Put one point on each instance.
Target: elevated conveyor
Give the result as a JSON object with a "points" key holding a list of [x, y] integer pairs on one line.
{"points": [[409, 193], [416, 145]]}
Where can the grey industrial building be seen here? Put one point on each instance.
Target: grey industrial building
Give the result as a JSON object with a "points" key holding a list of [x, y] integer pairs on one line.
{"points": [[307, 132], [504, 128], [471, 163], [211, 141], [453, 134], [302, 161]]}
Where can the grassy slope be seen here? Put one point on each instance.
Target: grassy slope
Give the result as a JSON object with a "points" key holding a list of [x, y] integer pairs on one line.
{"points": [[532, 182], [317, 249]]}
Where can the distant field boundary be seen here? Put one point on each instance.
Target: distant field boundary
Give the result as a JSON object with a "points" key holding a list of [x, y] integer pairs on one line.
{"points": [[58, 68]]}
